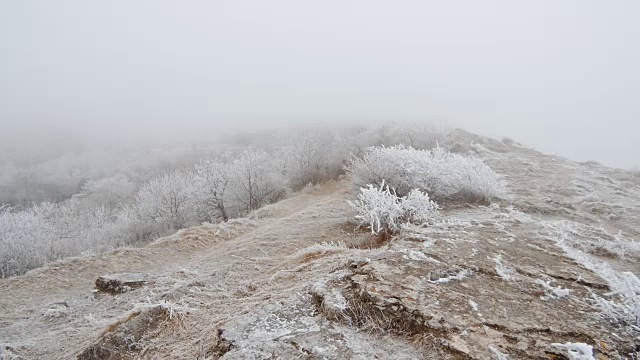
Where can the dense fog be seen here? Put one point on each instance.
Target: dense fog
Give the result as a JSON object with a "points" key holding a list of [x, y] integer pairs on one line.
{"points": [[559, 76]]}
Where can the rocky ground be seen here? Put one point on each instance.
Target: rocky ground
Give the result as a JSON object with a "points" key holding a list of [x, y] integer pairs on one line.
{"points": [[545, 274]]}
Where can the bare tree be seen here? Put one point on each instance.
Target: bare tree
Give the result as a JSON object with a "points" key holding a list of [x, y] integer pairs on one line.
{"points": [[255, 180], [214, 181]]}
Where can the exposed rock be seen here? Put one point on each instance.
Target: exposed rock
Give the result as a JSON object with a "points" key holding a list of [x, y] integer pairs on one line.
{"points": [[467, 314], [124, 338], [220, 346], [120, 283], [293, 329]]}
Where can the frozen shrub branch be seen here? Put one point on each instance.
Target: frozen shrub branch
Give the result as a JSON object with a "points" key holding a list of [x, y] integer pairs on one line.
{"points": [[381, 210], [444, 175]]}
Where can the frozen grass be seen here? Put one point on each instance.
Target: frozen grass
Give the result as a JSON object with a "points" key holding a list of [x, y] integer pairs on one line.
{"points": [[319, 250]]}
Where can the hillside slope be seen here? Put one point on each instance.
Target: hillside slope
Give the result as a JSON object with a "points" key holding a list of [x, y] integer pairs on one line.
{"points": [[476, 283]]}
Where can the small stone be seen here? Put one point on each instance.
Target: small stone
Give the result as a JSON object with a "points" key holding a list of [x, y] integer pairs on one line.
{"points": [[120, 283]]}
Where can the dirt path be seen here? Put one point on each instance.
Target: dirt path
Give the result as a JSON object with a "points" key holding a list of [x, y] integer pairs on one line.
{"points": [[53, 313]]}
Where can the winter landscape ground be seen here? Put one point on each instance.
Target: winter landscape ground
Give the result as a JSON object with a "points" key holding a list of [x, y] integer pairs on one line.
{"points": [[546, 272]]}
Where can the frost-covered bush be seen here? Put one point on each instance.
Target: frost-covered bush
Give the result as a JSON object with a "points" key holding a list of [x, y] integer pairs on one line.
{"points": [[110, 191], [444, 175], [25, 241], [81, 227], [168, 199], [48, 232], [381, 210]]}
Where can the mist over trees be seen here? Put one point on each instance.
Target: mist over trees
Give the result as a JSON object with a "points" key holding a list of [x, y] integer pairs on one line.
{"points": [[80, 199]]}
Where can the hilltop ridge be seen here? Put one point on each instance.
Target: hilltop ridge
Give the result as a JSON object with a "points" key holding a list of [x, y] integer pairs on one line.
{"points": [[529, 276]]}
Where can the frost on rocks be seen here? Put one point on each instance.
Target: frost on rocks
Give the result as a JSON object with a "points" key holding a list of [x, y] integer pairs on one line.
{"points": [[291, 327], [473, 305], [622, 304], [333, 301], [553, 292], [506, 273], [417, 255], [576, 351], [445, 276], [499, 354]]}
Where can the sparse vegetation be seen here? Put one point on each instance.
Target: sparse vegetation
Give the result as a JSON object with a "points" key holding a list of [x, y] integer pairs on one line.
{"points": [[130, 197], [443, 175], [384, 212], [396, 184]]}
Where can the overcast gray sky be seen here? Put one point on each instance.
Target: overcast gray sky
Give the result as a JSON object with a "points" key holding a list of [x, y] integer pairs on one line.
{"points": [[562, 76]]}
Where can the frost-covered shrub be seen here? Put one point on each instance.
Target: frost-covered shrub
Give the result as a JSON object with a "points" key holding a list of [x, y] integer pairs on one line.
{"points": [[25, 240], [383, 211], [168, 200], [110, 191], [48, 232], [444, 175]]}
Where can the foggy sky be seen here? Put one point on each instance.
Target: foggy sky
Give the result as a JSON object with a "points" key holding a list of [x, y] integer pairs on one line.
{"points": [[559, 75]]}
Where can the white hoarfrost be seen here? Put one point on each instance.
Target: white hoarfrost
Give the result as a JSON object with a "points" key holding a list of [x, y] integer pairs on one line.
{"points": [[382, 210], [442, 174], [473, 305], [168, 199], [332, 299], [445, 278], [622, 304], [576, 351], [321, 249], [48, 232], [553, 292], [499, 354], [506, 273]]}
